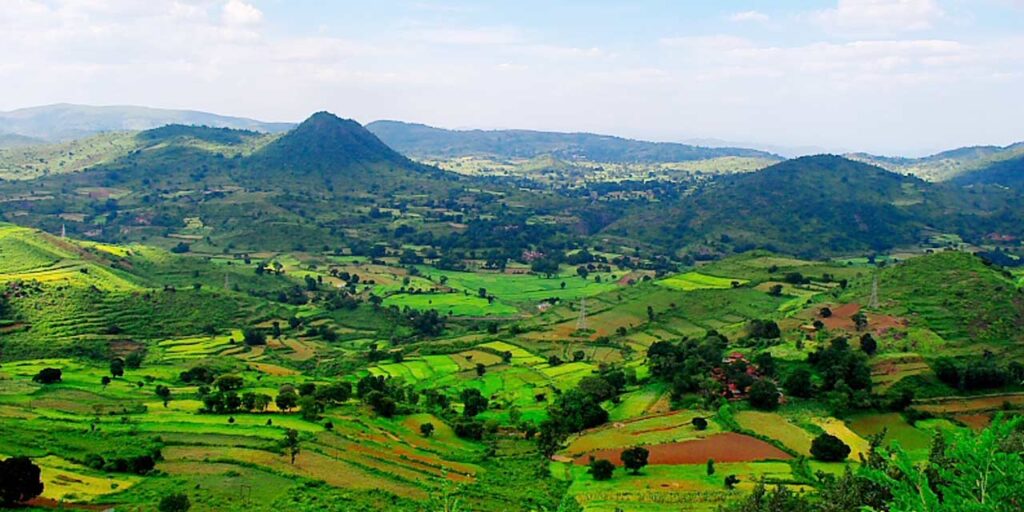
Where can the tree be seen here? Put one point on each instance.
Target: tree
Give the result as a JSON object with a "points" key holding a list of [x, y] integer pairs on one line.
{"points": [[775, 290], [825, 312], [473, 402], [731, 481], [868, 344], [860, 320], [164, 393], [286, 400], [105, 380], [177, 502], [116, 367], [601, 469], [19, 481], [711, 467], [253, 337], [829, 448], [229, 382], [480, 369], [381, 404], [47, 376], [133, 361], [427, 429], [798, 383], [634, 459], [699, 423], [764, 395], [309, 408], [578, 355], [291, 443]]}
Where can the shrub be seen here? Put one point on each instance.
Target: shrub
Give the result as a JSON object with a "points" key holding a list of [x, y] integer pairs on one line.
{"points": [[829, 448], [601, 469], [48, 376]]}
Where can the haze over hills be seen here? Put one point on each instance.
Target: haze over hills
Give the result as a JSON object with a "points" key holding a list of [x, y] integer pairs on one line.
{"points": [[65, 121], [422, 141]]}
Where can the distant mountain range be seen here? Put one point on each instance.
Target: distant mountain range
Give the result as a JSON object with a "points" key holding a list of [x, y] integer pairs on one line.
{"points": [[64, 121], [948, 165], [422, 141]]}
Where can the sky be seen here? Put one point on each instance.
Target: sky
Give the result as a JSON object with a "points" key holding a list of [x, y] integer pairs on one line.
{"points": [[905, 77]]}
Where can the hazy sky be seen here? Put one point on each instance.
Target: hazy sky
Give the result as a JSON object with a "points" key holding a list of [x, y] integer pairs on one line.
{"points": [[893, 76]]}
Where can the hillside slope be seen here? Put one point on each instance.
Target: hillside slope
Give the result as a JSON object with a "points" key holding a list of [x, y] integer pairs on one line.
{"points": [[820, 205]]}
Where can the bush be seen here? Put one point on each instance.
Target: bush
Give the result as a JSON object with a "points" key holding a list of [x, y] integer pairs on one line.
{"points": [[601, 470], [699, 423], [175, 503], [48, 376], [829, 448]]}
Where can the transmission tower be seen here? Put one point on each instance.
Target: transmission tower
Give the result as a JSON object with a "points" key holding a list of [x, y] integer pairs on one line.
{"points": [[873, 304], [581, 322]]}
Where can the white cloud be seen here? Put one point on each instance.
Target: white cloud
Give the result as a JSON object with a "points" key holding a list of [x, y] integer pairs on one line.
{"points": [[880, 16], [750, 16], [237, 12]]}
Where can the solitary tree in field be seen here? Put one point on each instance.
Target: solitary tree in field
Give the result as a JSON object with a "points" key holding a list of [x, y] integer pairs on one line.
{"points": [[117, 367], [427, 429], [829, 448], [634, 458], [711, 467], [480, 369], [47, 376], [164, 393], [291, 443], [105, 380]]}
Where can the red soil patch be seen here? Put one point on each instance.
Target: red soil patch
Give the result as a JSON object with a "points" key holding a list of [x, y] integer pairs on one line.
{"points": [[41, 502], [974, 421], [842, 318], [726, 447]]}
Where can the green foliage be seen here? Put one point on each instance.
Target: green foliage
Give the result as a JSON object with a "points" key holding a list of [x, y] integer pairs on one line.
{"points": [[19, 481], [177, 502], [601, 469], [829, 448]]}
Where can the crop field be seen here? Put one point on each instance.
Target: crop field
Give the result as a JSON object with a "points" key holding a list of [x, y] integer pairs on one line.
{"points": [[777, 427], [677, 487], [175, 312], [858, 445], [697, 281]]}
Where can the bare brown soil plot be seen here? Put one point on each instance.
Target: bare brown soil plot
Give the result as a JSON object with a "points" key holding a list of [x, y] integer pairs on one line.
{"points": [[725, 447]]}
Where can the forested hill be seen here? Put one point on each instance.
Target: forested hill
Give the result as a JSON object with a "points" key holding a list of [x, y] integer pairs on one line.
{"points": [[947, 165], [822, 205], [421, 141], [1008, 173]]}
